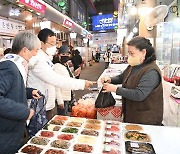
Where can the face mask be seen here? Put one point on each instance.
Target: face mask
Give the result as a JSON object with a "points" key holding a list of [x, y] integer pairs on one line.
{"points": [[51, 51], [64, 59], [133, 61]]}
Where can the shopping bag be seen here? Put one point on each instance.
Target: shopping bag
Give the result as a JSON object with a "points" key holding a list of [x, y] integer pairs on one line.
{"points": [[104, 99], [39, 119]]}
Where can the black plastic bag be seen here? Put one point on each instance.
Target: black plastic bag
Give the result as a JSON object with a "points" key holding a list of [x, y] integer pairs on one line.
{"points": [[104, 99]]}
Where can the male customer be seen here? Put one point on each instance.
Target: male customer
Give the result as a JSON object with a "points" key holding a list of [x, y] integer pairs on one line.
{"points": [[43, 77], [13, 100]]}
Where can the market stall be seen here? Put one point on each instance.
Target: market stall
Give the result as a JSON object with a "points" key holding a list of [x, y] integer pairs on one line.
{"points": [[69, 135]]}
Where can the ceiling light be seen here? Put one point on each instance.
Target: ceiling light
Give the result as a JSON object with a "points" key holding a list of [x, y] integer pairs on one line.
{"points": [[14, 12], [85, 40], [135, 30], [29, 17], [45, 24], [20, 5], [133, 10], [73, 35]]}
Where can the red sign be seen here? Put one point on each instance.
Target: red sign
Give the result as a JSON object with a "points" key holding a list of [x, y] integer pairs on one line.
{"points": [[34, 4], [68, 23]]}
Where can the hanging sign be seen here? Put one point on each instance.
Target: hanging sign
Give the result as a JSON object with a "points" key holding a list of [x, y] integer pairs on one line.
{"points": [[33, 4], [67, 23], [103, 22], [11, 27]]}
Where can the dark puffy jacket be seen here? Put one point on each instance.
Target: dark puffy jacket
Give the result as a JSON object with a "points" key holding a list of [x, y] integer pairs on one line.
{"points": [[13, 108]]}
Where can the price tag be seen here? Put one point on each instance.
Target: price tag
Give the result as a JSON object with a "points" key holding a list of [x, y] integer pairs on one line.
{"points": [[108, 126], [108, 133], [107, 140], [109, 122], [134, 145], [107, 148]]}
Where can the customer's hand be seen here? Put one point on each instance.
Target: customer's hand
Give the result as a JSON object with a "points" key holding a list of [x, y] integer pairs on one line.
{"points": [[31, 113], [105, 80], [61, 106], [109, 87], [88, 84], [35, 94], [77, 72]]}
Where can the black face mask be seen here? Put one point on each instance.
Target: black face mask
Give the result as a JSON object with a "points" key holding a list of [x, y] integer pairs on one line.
{"points": [[64, 59]]}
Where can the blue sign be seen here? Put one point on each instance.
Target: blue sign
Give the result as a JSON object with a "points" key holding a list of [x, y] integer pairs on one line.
{"points": [[103, 22]]}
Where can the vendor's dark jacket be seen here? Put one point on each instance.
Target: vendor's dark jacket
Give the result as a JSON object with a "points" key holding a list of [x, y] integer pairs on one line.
{"points": [[13, 108], [150, 110]]}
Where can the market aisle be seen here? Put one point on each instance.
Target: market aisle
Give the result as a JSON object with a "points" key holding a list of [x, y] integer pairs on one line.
{"points": [[91, 73]]}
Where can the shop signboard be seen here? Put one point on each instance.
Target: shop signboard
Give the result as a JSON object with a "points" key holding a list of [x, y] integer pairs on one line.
{"points": [[67, 23], [103, 22], [11, 27], [33, 4]]}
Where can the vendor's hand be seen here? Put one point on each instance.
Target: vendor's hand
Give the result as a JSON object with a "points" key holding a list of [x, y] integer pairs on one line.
{"points": [[105, 80], [88, 84], [61, 106], [31, 113], [35, 94], [77, 72], [109, 87]]}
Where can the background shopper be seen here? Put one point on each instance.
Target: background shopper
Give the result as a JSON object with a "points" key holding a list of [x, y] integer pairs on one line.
{"points": [[77, 61], [64, 97], [107, 58]]}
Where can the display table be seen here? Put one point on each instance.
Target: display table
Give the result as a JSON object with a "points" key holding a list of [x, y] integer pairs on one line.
{"points": [[70, 135], [171, 115]]}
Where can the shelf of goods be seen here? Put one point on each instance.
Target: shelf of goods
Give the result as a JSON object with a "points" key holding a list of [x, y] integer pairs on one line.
{"points": [[72, 135]]}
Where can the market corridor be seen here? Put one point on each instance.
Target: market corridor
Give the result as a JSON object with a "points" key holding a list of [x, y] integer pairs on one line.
{"points": [[90, 73]]}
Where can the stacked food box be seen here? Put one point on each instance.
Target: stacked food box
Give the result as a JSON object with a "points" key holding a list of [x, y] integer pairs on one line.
{"points": [[135, 139], [71, 135]]}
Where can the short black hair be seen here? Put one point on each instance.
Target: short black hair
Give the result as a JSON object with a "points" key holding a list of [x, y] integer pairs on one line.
{"points": [[44, 34]]}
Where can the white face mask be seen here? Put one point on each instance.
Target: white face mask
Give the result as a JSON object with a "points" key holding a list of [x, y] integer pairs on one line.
{"points": [[51, 51], [33, 61]]}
